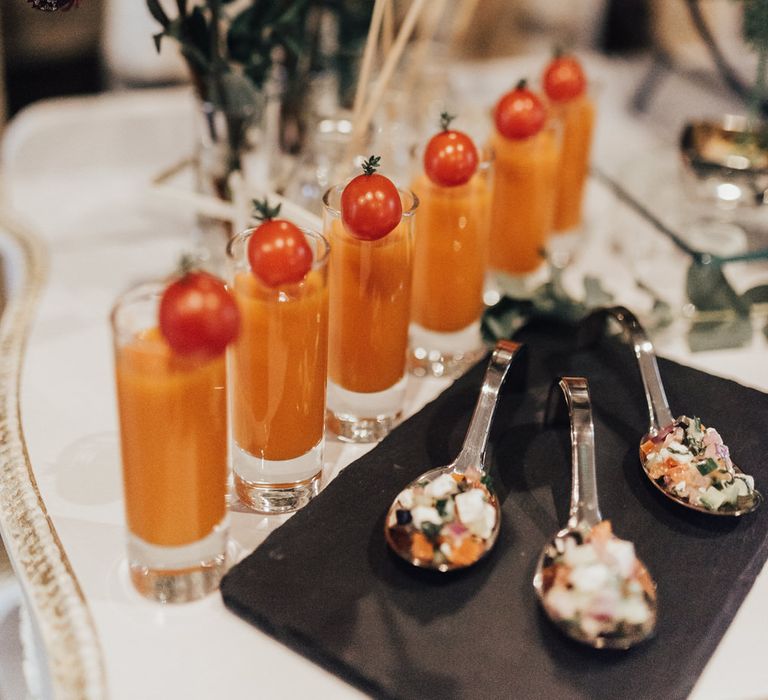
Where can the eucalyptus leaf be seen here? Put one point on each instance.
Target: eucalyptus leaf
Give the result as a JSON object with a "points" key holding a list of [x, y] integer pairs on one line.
{"points": [[157, 11], [709, 290], [704, 336], [549, 301], [756, 295]]}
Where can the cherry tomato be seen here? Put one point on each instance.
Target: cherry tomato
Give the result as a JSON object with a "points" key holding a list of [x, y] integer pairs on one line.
{"points": [[370, 204], [198, 316], [279, 253], [564, 79], [450, 158], [520, 113]]}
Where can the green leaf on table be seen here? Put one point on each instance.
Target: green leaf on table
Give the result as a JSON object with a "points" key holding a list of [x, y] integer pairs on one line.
{"points": [[548, 300], [756, 295], [157, 11], [504, 318], [709, 290], [720, 335]]}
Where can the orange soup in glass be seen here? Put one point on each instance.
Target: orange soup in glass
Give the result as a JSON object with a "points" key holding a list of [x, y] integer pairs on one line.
{"points": [[451, 238], [565, 86], [370, 299], [278, 368], [577, 117], [173, 437], [527, 146]]}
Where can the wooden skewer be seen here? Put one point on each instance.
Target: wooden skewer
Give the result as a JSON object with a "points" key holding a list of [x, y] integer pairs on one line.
{"points": [[368, 53], [462, 20], [361, 126], [388, 29]]}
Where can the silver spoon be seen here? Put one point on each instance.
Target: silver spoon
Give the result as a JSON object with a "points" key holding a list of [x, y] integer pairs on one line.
{"points": [[559, 582], [661, 420], [448, 518]]}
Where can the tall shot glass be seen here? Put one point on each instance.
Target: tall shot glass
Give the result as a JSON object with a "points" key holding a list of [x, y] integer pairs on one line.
{"points": [[522, 214], [277, 371], [173, 439], [451, 236], [370, 295]]}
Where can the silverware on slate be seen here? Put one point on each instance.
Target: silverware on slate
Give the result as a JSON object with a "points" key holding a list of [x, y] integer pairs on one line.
{"points": [[589, 582], [715, 486], [448, 518]]}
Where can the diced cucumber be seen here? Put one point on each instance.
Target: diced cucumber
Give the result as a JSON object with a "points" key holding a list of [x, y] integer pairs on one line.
{"points": [[742, 485], [707, 466], [730, 493], [712, 498]]}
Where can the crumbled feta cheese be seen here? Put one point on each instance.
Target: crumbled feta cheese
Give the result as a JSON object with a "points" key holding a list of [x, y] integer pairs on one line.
{"points": [[578, 555], [591, 577], [634, 610], [442, 487], [478, 516], [623, 555], [425, 514], [562, 602], [406, 499]]}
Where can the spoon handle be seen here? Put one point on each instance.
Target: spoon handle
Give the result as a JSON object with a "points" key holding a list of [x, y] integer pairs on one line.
{"points": [[585, 509], [473, 450], [659, 412]]}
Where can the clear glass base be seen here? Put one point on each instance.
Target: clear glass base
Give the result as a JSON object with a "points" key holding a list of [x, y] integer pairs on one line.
{"points": [[364, 417], [516, 286], [178, 574], [563, 246], [443, 354], [277, 486]]}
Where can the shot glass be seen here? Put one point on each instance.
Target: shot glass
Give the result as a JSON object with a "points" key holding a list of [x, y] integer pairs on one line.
{"points": [[173, 439], [522, 214], [451, 236], [277, 372], [370, 299], [577, 119]]}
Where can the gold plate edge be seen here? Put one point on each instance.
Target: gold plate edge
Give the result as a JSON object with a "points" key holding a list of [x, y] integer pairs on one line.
{"points": [[73, 651]]}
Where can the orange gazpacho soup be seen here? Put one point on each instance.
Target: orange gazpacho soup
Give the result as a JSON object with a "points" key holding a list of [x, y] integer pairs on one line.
{"points": [[173, 428], [450, 253], [279, 366], [370, 295], [577, 117], [523, 200]]}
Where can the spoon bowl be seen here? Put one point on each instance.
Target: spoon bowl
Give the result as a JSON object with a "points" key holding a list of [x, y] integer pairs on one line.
{"points": [[742, 505], [589, 582], [623, 637], [687, 471], [449, 517]]}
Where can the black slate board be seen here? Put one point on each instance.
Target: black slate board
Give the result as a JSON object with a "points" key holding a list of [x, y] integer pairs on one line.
{"points": [[325, 584]]}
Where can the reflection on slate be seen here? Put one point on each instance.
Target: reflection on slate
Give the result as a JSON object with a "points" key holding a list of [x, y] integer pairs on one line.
{"points": [[326, 585]]}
